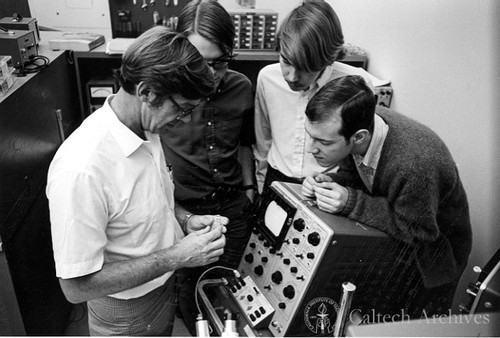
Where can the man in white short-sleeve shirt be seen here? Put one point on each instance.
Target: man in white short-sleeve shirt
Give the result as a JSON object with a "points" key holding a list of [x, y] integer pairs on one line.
{"points": [[117, 234]]}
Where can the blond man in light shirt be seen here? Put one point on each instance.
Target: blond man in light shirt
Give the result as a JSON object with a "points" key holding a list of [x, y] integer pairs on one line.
{"points": [[310, 40]]}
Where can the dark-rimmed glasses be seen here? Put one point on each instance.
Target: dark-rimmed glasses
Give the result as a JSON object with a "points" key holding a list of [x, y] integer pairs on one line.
{"points": [[220, 63], [183, 112]]}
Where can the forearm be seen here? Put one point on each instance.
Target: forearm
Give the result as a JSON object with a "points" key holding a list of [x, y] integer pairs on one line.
{"points": [[122, 275], [408, 218], [182, 216], [263, 137], [245, 157], [260, 169]]}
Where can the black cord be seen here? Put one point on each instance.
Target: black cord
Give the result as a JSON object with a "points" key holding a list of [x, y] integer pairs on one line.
{"points": [[34, 65]]}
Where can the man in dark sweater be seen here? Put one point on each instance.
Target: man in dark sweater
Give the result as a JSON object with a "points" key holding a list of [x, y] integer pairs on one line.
{"points": [[395, 175]]}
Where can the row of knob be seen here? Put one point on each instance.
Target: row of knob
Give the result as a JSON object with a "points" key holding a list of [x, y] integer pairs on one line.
{"points": [[249, 258], [299, 224], [257, 314]]}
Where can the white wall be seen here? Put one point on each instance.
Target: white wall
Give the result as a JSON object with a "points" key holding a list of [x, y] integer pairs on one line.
{"points": [[91, 16], [441, 58]]}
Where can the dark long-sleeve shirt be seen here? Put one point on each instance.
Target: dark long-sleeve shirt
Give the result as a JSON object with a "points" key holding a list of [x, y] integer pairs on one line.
{"points": [[204, 151]]}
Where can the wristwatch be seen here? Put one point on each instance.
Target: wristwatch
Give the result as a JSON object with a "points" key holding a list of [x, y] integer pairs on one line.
{"points": [[185, 223]]}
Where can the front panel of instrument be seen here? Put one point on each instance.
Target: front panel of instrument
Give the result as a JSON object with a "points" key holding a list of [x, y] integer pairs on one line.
{"points": [[300, 257], [284, 275]]}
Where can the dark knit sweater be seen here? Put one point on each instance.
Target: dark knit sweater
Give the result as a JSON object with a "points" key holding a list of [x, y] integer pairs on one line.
{"points": [[417, 198]]}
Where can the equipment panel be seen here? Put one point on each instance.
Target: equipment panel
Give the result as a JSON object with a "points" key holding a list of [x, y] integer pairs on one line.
{"points": [[302, 272]]}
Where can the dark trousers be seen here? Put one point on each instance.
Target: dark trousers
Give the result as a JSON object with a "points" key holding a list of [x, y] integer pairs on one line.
{"points": [[236, 206]]}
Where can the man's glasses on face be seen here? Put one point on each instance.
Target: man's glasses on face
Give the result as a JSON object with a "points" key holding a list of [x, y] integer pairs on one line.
{"points": [[220, 63], [183, 112]]}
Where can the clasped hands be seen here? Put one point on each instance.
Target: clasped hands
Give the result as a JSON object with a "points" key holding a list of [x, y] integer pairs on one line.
{"points": [[205, 240], [330, 196]]}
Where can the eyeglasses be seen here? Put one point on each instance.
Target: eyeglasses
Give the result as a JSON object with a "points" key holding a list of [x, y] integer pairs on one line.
{"points": [[183, 112], [220, 63]]}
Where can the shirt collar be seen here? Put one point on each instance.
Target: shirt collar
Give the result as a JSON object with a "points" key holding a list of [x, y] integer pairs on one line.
{"points": [[325, 77], [126, 139], [322, 80], [372, 155]]}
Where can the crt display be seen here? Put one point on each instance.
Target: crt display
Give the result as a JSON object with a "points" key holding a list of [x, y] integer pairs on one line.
{"points": [[275, 218]]}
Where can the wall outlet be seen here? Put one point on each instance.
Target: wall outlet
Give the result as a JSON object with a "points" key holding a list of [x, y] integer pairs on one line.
{"points": [[384, 95]]}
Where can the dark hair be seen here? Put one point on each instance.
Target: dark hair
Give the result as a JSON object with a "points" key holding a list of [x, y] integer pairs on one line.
{"points": [[209, 19], [351, 97], [168, 64], [311, 37]]}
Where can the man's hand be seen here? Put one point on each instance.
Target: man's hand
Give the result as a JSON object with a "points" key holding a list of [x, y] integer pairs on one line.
{"points": [[330, 196], [200, 247], [309, 184], [198, 222]]}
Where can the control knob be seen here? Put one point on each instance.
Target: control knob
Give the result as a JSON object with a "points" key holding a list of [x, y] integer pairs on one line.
{"points": [[299, 224], [277, 277], [259, 270], [249, 258], [289, 292], [314, 238]]}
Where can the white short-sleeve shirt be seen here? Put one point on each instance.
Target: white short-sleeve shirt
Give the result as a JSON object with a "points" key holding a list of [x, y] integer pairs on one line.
{"points": [[111, 198]]}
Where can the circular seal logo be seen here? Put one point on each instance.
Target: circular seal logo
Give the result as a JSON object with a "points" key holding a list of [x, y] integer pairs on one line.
{"points": [[320, 315]]}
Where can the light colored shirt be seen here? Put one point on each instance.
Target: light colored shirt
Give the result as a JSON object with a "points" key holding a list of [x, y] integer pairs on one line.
{"points": [[281, 138], [367, 165], [110, 198]]}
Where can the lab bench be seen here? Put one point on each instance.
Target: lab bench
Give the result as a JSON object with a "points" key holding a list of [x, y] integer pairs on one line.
{"points": [[96, 64]]}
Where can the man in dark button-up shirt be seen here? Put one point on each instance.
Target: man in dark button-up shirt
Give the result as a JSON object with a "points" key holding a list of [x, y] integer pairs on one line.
{"points": [[204, 151], [211, 155]]}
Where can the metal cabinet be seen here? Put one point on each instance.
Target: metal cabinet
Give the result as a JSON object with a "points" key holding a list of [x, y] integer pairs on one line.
{"points": [[34, 119]]}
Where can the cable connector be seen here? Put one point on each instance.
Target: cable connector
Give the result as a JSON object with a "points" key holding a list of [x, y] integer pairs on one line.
{"points": [[239, 278], [229, 325], [202, 326]]}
